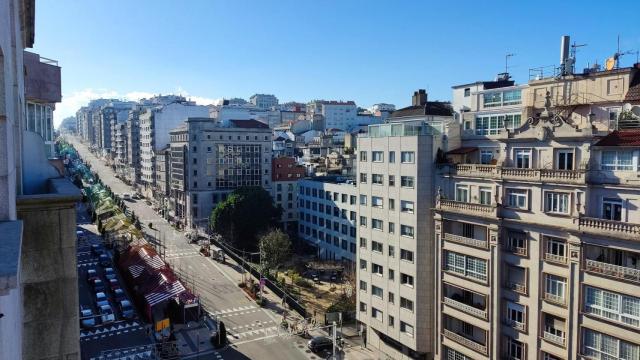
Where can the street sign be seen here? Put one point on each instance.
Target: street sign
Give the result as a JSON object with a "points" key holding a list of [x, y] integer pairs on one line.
{"points": [[162, 324]]}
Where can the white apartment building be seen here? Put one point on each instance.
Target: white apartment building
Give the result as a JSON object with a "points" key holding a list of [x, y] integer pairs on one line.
{"points": [[537, 226], [264, 101], [209, 160], [327, 213], [395, 257], [336, 114], [155, 125]]}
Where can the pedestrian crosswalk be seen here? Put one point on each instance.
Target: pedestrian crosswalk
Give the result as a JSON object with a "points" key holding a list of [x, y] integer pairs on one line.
{"points": [[136, 353], [183, 254], [234, 311], [110, 330], [272, 330]]}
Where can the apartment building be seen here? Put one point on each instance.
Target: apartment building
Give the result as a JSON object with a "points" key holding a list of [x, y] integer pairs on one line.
{"points": [[119, 147], [285, 174], [395, 257], [328, 216], [209, 160], [536, 223], [336, 114], [155, 124], [133, 167], [264, 101]]}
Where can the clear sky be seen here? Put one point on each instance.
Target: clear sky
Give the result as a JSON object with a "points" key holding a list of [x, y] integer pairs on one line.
{"points": [[368, 51]]}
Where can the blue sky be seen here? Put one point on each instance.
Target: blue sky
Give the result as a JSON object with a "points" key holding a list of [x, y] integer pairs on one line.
{"points": [[367, 51]]}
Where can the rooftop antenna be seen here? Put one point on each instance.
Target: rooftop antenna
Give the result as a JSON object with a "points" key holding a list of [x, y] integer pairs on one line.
{"points": [[506, 61], [614, 61]]}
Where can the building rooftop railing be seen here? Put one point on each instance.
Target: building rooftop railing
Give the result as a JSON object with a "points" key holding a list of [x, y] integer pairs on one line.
{"points": [[402, 129]]}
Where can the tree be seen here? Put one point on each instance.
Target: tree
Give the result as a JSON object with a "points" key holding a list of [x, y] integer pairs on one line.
{"points": [[275, 247], [247, 212]]}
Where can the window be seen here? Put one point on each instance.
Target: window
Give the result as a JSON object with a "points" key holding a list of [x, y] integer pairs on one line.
{"points": [[392, 251], [522, 158], [352, 199], [492, 99], [376, 246], [377, 156], [392, 274], [406, 279], [515, 315], [518, 198], [376, 291], [363, 242], [391, 298], [556, 202], [485, 195], [517, 242], [564, 159], [377, 201], [343, 198], [512, 97], [363, 178], [468, 266], [494, 124], [377, 179], [621, 160], [406, 329], [363, 307], [406, 304], [363, 156], [597, 345], [377, 224], [455, 355], [392, 228], [392, 180], [363, 221], [363, 285], [514, 349], [406, 255], [467, 92], [612, 209], [392, 157], [391, 321], [377, 269], [486, 156], [406, 230], [555, 287], [407, 157], [392, 204], [617, 307], [462, 193], [406, 206], [557, 248], [363, 199], [363, 264], [406, 181]]}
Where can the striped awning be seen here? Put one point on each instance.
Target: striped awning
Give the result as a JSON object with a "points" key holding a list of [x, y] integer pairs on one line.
{"points": [[164, 292]]}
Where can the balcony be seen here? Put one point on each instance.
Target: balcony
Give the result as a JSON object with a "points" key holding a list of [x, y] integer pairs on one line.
{"points": [[466, 342], [609, 228], [614, 271], [521, 251], [42, 80], [475, 170], [469, 309], [483, 244], [517, 287], [553, 338], [488, 211], [555, 258], [509, 173], [516, 325], [559, 300]]}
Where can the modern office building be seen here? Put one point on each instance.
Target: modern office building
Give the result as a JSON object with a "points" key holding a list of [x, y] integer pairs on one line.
{"points": [[285, 174], [327, 217], [536, 223], [209, 160]]}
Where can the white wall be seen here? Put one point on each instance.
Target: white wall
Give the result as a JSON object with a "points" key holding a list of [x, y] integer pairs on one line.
{"points": [[170, 117]]}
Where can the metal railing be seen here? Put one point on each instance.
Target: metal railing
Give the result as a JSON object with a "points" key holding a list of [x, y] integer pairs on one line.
{"points": [[519, 288], [466, 241], [554, 298], [559, 340], [555, 258], [469, 309], [516, 325], [615, 271], [466, 342]]}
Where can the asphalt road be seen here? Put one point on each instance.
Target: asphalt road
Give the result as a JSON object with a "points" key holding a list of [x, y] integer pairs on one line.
{"points": [[215, 283]]}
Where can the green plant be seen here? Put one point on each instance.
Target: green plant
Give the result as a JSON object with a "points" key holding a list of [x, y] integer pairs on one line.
{"points": [[302, 282]]}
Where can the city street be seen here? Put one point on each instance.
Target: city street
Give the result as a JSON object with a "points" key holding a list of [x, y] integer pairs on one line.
{"points": [[216, 284]]}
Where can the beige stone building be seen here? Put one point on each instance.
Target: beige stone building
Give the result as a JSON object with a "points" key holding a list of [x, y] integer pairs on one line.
{"points": [[537, 228]]}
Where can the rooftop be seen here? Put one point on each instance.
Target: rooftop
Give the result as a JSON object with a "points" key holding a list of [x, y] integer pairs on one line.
{"points": [[439, 108], [249, 124], [621, 138], [337, 179]]}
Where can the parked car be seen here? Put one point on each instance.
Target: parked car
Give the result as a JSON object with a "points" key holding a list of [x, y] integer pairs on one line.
{"points": [[334, 276], [315, 278], [119, 295], [319, 343], [126, 309], [114, 284], [106, 314], [92, 275], [109, 273], [87, 320], [101, 299], [126, 196], [104, 260], [98, 285]]}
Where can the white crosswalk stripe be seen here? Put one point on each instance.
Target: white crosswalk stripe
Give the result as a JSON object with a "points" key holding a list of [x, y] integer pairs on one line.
{"points": [[227, 312], [252, 333], [110, 330]]}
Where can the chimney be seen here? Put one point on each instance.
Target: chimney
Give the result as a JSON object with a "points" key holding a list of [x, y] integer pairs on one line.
{"points": [[419, 98]]}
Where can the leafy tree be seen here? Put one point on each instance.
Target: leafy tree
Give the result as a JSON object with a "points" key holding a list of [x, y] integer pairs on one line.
{"points": [[247, 212], [275, 247]]}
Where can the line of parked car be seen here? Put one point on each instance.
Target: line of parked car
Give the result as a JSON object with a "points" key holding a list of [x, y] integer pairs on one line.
{"points": [[107, 291]]}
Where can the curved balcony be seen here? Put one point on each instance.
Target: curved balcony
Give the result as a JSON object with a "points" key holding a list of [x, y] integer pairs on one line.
{"points": [[489, 211]]}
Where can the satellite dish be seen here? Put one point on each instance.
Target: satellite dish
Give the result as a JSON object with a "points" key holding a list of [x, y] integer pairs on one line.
{"points": [[610, 63], [636, 110], [627, 107]]}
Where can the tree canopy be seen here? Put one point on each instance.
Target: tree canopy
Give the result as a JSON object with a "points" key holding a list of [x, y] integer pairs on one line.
{"points": [[275, 247], [246, 213]]}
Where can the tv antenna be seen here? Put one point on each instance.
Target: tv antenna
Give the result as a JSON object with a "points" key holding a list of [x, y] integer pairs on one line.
{"points": [[506, 61], [614, 61]]}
